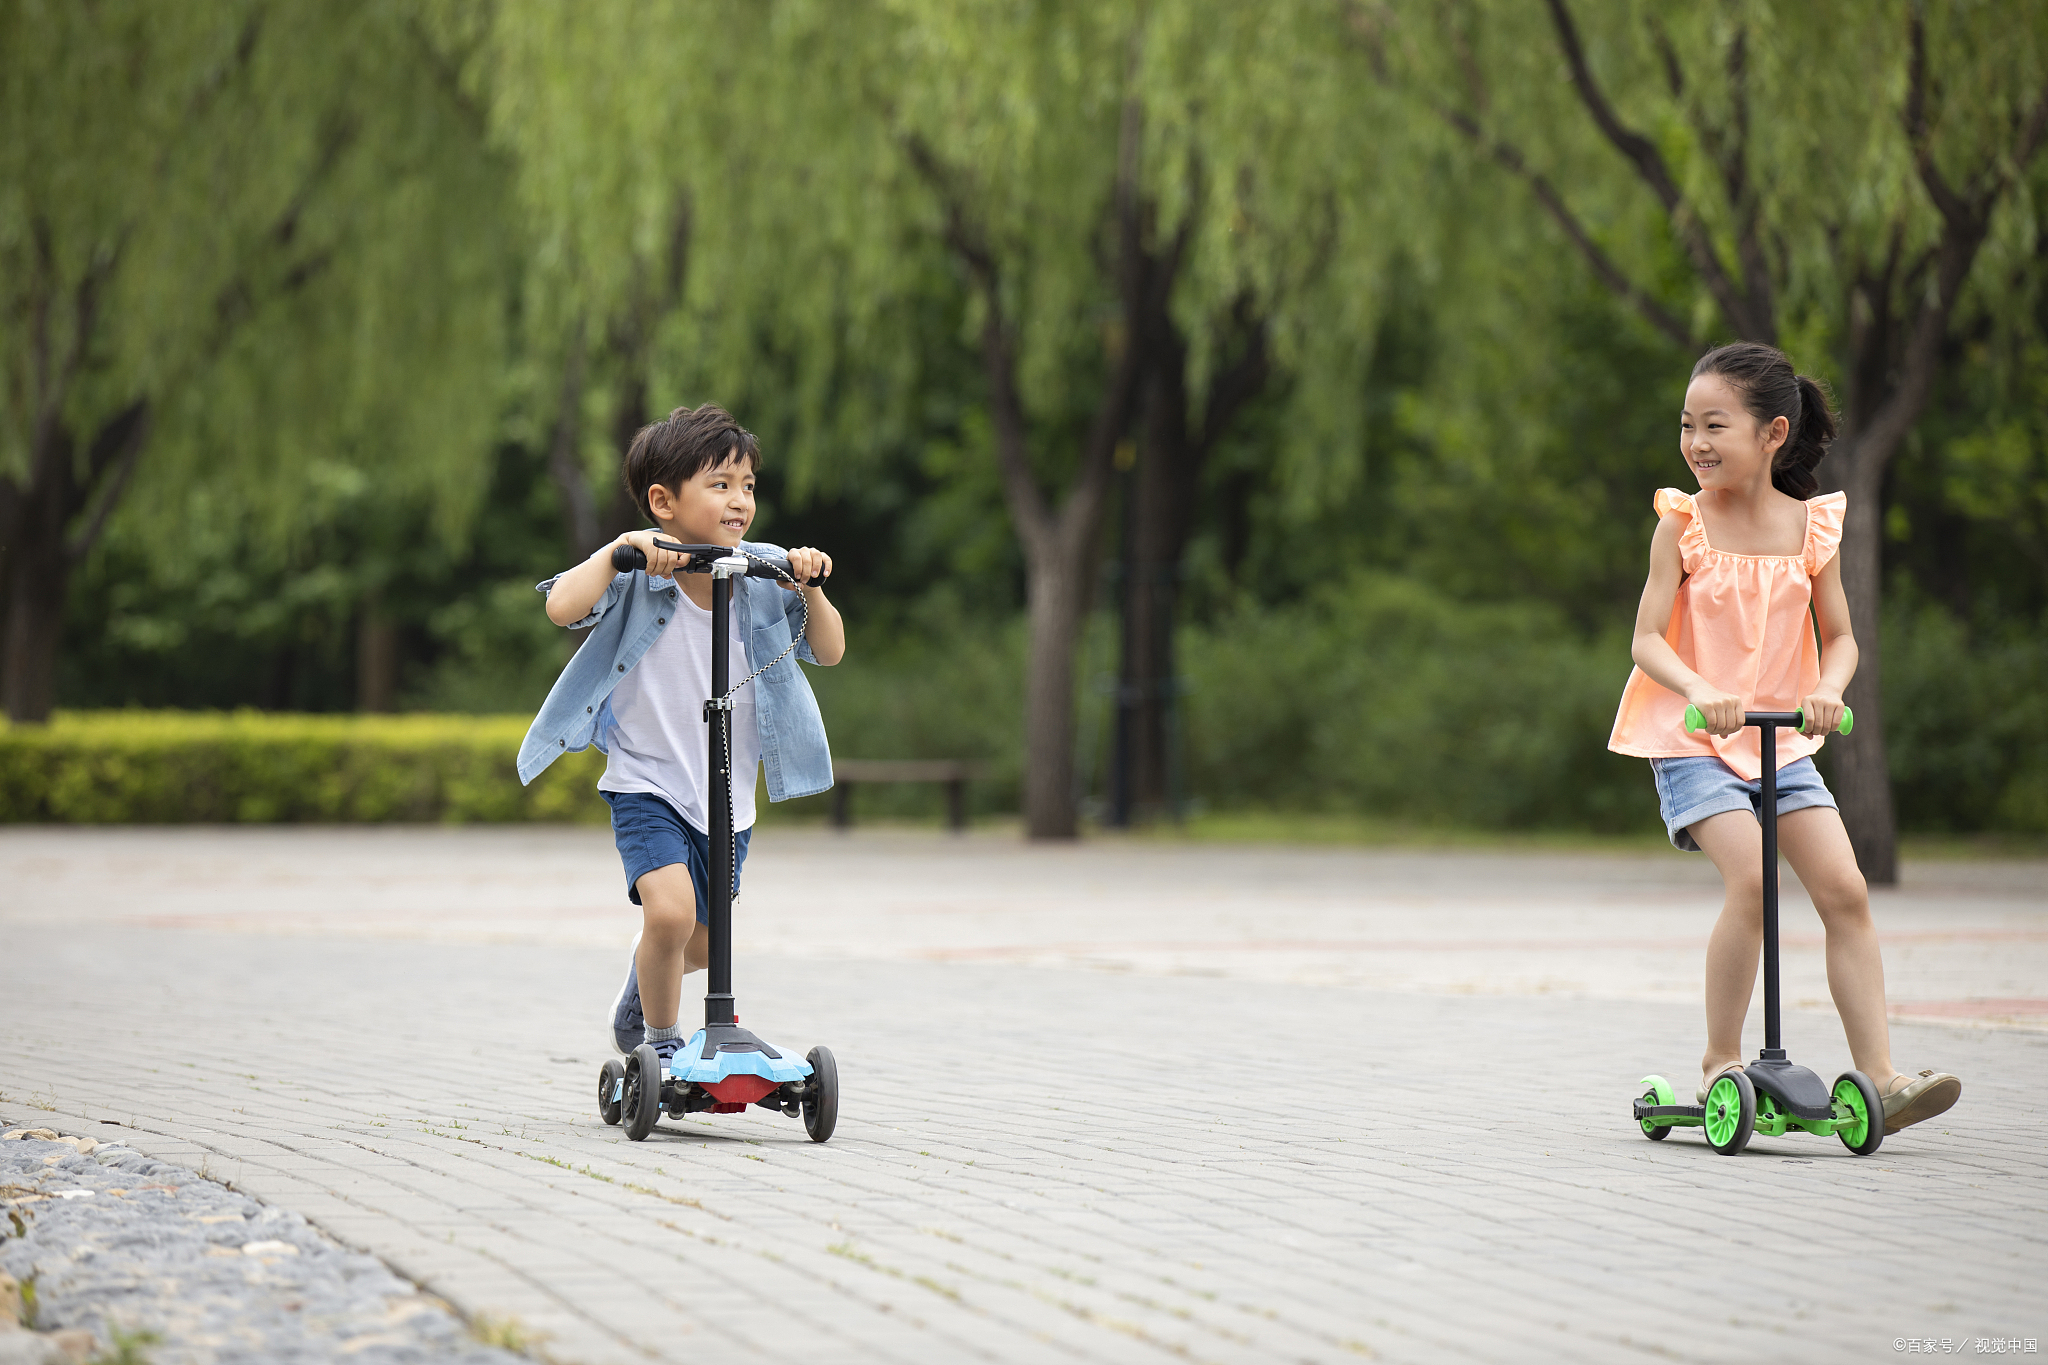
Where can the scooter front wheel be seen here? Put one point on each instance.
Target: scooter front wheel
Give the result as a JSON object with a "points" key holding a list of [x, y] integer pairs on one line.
{"points": [[821, 1100], [1731, 1112], [611, 1084], [1857, 1093], [642, 1101]]}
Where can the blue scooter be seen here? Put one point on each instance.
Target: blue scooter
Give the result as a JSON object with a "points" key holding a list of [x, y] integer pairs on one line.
{"points": [[723, 1069]]}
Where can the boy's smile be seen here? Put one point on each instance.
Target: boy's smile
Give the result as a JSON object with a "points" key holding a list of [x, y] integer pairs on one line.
{"points": [[714, 508]]}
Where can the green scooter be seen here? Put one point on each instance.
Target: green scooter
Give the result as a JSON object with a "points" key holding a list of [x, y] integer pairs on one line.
{"points": [[1771, 1095]]}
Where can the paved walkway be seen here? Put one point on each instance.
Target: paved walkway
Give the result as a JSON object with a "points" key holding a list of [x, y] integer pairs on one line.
{"points": [[1120, 1102]]}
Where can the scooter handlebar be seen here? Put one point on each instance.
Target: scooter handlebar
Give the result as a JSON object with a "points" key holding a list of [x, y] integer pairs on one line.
{"points": [[1695, 722], [626, 558]]}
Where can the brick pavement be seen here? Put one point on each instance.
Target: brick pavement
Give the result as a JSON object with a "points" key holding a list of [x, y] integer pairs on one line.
{"points": [[1096, 1109]]}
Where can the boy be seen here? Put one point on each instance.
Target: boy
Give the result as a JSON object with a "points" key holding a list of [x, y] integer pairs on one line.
{"points": [[637, 689]]}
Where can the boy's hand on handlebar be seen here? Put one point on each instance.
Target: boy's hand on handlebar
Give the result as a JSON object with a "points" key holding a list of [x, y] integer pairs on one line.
{"points": [[660, 563], [1823, 712], [804, 565], [1722, 711]]}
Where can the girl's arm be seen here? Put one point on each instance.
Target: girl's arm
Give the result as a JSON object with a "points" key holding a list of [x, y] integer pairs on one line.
{"points": [[1838, 656], [1654, 654]]}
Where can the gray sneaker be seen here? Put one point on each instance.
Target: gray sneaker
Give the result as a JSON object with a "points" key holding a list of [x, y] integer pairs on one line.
{"points": [[627, 1023]]}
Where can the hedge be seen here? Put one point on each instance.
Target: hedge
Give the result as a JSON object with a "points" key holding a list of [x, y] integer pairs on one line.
{"points": [[248, 767]]}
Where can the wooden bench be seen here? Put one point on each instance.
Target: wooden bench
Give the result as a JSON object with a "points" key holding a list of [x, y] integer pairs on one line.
{"points": [[848, 773]]}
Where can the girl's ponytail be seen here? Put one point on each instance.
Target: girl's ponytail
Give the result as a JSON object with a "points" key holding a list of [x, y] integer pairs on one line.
{"points": [[1772, 389]]}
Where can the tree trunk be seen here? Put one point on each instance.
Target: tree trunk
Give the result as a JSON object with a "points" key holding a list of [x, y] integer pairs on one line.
{"points": [[1057, 585], [1863, 784], [1143, 780], [39, 573], [376, 660]]}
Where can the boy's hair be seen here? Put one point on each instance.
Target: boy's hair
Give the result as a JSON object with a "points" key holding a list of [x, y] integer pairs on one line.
{"points": [[683, 445], [1771, 389]]}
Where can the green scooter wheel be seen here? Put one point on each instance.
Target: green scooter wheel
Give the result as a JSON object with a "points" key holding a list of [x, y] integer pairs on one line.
{"points": [[1855, 1092], [1731, 1113], [1655, 1132]]}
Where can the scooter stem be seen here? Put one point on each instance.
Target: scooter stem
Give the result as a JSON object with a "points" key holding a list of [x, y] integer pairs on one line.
{"points": [[1774, 1049], [718, 1001]]}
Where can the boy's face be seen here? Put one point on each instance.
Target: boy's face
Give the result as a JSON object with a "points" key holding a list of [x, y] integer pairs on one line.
{"points": [[714, 508]]}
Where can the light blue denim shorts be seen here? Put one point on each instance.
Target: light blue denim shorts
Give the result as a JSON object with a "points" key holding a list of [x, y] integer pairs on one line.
{"points": [[1691, 789]]}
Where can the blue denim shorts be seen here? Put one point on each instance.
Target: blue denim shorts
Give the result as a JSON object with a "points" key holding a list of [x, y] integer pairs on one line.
{"points": [[651, 834], [1691, 789]]}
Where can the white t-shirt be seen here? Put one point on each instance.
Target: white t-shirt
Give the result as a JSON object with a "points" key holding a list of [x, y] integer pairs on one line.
{"points": [[658, 741]]}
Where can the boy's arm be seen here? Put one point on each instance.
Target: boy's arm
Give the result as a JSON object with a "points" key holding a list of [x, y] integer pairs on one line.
{"points": [[572, 595], [1721, 709], [824, 631]]}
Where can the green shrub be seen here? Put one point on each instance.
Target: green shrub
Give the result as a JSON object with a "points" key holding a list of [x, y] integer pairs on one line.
{"points": [[1383, 697], [243, 767]]}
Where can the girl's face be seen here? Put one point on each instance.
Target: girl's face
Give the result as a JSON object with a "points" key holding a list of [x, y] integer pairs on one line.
{"points": [[1726, 446], [714, 508]]}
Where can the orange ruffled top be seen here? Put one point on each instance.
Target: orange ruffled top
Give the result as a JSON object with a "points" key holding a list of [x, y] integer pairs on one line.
{"points": [[1740, 621]]}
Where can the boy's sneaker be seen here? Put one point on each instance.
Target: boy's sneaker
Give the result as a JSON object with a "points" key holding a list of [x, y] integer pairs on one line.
{"points": [[628, 1025], [667, 1049]]}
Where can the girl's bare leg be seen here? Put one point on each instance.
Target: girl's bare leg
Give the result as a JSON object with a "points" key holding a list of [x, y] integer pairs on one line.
{"points": [[668, 906], [1818, 848], [1734, 841]]}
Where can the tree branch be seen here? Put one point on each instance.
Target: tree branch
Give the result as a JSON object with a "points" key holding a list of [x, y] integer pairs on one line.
{"points": [[1027, 504], [110, 462], [1553, 204], [1642, 153]]}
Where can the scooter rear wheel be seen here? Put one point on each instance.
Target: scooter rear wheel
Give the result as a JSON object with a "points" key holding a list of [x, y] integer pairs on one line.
{"points": [[643, 1091], [1858, 1093], [821, 1100], [610, 1102], [1731, 1112]]}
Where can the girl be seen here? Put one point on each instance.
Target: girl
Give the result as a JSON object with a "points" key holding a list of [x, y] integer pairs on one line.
{"points": [[1724, 625]]}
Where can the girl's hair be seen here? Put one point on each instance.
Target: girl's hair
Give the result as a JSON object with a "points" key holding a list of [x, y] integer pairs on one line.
{"points": [[1771, 389]]}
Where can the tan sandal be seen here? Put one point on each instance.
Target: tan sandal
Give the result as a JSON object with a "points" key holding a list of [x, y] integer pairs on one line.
{"points": [[1700, 1097], [1920, 1098]]}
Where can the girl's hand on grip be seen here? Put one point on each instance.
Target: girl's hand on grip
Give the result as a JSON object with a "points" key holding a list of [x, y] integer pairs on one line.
{"points": [[1823, 712], [1722, 711]]}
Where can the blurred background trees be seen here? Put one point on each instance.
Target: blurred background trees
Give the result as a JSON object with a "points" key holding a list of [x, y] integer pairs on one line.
{"points": [[1205, 402]]}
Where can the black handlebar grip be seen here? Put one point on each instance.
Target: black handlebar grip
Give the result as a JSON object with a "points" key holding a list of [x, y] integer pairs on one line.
{"points": [[626, 558], [775, 567]]}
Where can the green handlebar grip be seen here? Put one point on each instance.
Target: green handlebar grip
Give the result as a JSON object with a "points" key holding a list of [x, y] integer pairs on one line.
{"points": [[1695, 722]]}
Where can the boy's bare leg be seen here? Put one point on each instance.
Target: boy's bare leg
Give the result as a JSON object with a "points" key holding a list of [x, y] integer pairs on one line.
{"points": [[668, 905], [1735, 843], [1818, 847]]}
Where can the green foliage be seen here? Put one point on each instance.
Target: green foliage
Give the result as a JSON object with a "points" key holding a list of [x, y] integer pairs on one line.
{"points": [[275, 222], [1380, 695], [1968, 724], [155, 767]]}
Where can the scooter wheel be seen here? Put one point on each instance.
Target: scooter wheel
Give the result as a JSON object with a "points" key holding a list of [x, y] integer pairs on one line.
{"points": [[611, 1079], [1731, 1112], [821, 1100], [643, 1092], [1655, 1132], [1858, 1094]]}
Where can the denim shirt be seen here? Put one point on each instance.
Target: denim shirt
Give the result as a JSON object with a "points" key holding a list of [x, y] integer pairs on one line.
{"points": [[625, 623]]}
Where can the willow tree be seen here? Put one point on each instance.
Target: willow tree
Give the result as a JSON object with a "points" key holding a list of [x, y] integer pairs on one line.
{"points": [[239, 241], [1847, 181], [1093, 178]]}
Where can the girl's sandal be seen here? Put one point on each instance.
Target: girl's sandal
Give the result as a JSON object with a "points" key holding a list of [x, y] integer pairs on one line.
{"points": [[1708, 1083], [1920, 1098]]}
